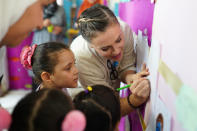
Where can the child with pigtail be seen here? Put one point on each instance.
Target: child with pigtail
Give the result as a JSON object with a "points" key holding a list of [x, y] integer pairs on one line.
{"points": [[44, 110], [101, 106]]}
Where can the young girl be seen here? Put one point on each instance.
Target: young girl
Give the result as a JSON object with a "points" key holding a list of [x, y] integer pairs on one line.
{"points": [[46, 110], [53, 65], [101, 106]]}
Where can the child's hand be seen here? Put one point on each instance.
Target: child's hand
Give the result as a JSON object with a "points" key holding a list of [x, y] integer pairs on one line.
{"points": [[57, 30], [46, 22]]}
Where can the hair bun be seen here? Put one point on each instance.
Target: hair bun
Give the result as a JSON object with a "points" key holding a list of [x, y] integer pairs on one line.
{"points": [[25, 56]]}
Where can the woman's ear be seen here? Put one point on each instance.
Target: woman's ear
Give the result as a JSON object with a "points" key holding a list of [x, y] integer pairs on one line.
{"points": [[46, 77]]}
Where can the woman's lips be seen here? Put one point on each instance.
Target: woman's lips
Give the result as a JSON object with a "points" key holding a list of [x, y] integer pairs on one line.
{"points": [[117, 57]]}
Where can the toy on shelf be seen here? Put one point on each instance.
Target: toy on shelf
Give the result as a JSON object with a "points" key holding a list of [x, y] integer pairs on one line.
{"points": [[50, 28]]}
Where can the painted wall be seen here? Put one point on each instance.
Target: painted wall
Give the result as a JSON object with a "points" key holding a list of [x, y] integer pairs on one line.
{"points": [[174, 78]]}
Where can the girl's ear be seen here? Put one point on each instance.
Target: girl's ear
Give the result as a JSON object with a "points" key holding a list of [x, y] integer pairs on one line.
{"points": [[91, 45], [46, 77], [5, 119]]}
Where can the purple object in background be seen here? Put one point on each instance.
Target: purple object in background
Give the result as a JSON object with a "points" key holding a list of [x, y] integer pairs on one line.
{"points": [[18, 75], [123, 93], [105, 2], [139, 15], [134, 118]]}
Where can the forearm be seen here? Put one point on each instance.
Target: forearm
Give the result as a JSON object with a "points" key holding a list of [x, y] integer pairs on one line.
{"points": [[126, 108], [140, 94]]}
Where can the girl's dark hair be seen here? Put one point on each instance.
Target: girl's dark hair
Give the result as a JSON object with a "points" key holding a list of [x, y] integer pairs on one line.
{"points": [[101, 107], [45, 58], [50, 10], [95, 19], [41, 111]]}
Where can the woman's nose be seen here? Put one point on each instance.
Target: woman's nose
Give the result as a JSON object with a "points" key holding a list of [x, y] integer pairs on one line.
{"points": [[116, 50]]}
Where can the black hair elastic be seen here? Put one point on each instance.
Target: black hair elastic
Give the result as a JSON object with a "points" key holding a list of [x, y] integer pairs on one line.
{"points": [[131, 105]]}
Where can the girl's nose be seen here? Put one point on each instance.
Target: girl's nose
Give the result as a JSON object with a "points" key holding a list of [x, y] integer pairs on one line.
{"points": [[75, 70]]}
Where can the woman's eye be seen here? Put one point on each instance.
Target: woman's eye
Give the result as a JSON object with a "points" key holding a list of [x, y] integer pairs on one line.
{"points": [[119, 40]]}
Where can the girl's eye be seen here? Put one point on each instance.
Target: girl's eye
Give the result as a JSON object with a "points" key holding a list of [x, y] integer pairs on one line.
{"points": [[105, 49], [68, 68]]}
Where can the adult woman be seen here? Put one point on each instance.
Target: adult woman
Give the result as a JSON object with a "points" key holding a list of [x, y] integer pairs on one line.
{"points": [[103, 43]]}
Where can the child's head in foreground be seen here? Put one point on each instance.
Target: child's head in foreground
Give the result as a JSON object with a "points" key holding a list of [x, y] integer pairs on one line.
{"points": [[53, 64], [46, 110], [101, 106]]}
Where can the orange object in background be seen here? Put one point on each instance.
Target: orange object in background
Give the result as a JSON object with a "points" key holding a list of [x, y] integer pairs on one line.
{"points": [[87, 4], [14, 59], [14, 78]]}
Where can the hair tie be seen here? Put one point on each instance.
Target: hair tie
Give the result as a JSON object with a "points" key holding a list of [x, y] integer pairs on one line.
{"points": [[83, 20], [87, 20], [5, 119], [89, 88], [74, 121], [26, 55]]}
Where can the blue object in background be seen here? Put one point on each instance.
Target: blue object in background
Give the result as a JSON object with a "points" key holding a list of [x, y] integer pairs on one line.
{"points": [[158, 126], [116, 9], [67, 6]]}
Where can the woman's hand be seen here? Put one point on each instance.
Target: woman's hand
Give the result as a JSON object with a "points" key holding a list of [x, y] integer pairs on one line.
{"points": [[140, 91], [130, 78], [143, 73]]}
